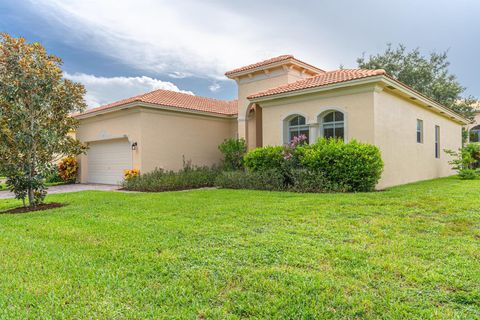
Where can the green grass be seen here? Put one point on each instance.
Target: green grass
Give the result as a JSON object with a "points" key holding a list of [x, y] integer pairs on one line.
{"points": [[412, 252]]}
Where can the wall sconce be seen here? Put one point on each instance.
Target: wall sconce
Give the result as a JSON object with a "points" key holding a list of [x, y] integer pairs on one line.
{"points": [[134, 146]]}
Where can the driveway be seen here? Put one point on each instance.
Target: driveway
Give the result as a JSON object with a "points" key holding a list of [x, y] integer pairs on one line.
{"points": [[65, 188]]}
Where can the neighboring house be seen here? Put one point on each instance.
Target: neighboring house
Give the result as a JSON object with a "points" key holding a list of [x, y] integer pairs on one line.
{"points": [[474, 128], [277, 99]]}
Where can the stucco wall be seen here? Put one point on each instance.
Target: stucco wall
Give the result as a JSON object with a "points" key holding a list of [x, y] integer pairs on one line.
{"points": [[163, 137], [257, 82], [395, 133], [377, 117], [357, 107], [169, 137], [107, 127]]}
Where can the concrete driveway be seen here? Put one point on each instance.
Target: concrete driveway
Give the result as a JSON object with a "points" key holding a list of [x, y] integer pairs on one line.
{"points": [[65, 188]]}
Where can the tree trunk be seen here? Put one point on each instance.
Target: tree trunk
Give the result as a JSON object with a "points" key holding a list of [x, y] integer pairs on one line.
{"points": [[31, 199]]}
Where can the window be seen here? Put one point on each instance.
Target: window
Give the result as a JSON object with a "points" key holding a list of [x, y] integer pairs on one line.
{"points": [[437, 142], [475, 134], [296, 127], [333, 125], [419, 131]]}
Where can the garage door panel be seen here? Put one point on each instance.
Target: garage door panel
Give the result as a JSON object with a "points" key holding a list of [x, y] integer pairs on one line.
{"points": [[107, 160]]}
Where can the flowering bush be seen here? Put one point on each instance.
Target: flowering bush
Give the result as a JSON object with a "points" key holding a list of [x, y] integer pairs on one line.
{"points": [[130, 173], [67, 169]]}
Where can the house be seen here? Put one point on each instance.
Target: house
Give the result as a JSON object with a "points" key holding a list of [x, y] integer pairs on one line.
{"points": [[474, 128], [277, 99]]}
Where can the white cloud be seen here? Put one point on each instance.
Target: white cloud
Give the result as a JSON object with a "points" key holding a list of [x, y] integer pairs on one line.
{"points": [[103, 90], [176, 38], [179, 75], [214, 87]]}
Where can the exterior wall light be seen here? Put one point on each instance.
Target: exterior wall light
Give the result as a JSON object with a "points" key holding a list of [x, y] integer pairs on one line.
{"points": [[134, 146]]}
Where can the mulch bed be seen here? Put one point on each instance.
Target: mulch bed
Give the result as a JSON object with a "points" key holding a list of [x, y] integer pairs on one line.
{"points": [[41, 207]]}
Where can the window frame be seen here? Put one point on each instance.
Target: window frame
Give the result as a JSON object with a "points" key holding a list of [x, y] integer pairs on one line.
{"points": [[419, 131], [335, 123], [474, 131], [298, 128], [437, 142]]}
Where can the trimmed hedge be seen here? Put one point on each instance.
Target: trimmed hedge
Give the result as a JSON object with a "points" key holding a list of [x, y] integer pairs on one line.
{"points": [[161, 180], [266, 158], [354, 165], [272, 180], [328, 165]]}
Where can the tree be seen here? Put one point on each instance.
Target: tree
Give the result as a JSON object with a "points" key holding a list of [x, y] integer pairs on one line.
{"points": [[35, 123], [428, 75]]}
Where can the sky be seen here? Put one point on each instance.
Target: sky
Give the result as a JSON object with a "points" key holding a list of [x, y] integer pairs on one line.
{"points": [[121, 48]]}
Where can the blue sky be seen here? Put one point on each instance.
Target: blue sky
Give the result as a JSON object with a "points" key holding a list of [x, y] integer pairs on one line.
{"points": [[127, 47]]}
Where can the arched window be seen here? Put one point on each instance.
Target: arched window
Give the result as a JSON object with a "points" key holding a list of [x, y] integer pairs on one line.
{"points": [[333, 125], [296, 127], [475, 134]]}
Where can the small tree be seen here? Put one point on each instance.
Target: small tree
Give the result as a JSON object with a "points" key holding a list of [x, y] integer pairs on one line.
{"points": [[233, 151], [466, 160], [428, 75], [35, 122]]}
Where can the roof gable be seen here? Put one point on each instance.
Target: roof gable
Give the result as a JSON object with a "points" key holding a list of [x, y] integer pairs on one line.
{"points": [[276, 61]]}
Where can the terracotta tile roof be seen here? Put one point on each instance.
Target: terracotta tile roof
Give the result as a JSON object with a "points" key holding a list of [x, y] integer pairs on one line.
{"points": [[267, 62], [178, 100], [323, 79]]}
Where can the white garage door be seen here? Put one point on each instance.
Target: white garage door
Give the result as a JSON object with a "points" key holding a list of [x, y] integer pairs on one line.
{"points": [[107, 160]]}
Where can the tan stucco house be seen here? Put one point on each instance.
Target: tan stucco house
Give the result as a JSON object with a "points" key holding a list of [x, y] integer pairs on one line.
{"points": [[474, 128], [277, 99]]}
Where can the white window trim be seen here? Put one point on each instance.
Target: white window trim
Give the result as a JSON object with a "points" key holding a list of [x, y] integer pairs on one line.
{"points": [[421, 131], [285, 125], [324, 112], [438, 140]]}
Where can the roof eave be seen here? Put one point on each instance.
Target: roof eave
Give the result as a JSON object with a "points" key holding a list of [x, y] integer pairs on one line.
{"points": [[370, 80], [152, 106], [233, 75]]}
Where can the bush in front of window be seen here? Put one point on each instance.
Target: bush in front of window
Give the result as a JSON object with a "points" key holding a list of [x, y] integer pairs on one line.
{"points": [[328, 165], [354, 166], [266, 158]]}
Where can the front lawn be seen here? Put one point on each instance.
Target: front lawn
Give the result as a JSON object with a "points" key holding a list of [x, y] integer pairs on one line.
{"points": [[408, 253]]}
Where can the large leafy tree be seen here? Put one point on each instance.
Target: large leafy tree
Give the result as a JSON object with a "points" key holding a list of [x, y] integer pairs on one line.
{"points": [[35, 123], [426, 74]]}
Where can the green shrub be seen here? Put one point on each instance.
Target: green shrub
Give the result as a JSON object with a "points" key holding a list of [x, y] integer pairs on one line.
{"points": [[266, 158], [233, 151], [258, 180], [52, 175], [161, 180], [468, 174], [465, 160], [303, 180], [355, 166]]}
